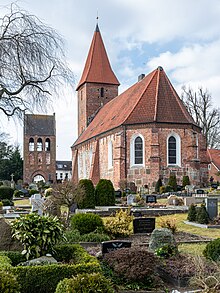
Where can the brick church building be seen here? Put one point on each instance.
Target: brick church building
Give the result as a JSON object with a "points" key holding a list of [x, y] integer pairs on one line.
{"points": [[141, 135]]}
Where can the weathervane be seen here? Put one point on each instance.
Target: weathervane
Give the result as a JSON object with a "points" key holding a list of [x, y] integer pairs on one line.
{"points": [[97, 17]]}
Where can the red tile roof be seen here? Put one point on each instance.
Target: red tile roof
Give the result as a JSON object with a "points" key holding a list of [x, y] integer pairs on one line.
{"points": [[153, 99], [214, 156], [97, 68]]}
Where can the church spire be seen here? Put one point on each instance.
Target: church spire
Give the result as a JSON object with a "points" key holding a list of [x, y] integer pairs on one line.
{"points": [[97, 67]]}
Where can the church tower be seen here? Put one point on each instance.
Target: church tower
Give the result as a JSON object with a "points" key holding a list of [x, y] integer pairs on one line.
{"points": [[98, 84]]}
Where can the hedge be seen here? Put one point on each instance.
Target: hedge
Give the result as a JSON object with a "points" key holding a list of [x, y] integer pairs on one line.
{"points": [[44, 279], [6, 192]]}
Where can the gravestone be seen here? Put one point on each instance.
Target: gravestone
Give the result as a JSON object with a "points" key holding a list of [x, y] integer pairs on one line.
{"points": [[118, 193], [137, 214], [37, 203], [189, 188], [73, 208], [151, 199], [200, 191], [212, 207], [108, 246], [143, 225], [214, 185], [130, 199], [160, 238], [189, 200]]}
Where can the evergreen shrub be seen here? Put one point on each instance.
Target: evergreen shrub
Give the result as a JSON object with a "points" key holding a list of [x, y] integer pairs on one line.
{"points": [[44, 278], [73, 236], [8, 282], [7, 202], [158, 185], [92, 283], [212, 250], [104, 193], [86, 223], [202, 216], [192, 213], [172, 182], [89, 198], [6, 192], [185, 180], [15, 257]]}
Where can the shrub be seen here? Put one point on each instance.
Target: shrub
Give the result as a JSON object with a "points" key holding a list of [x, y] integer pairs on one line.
{"points": [[7, 202], [6, 192], [202, 217], [15, 257], [192, 213], [158, 185], [162, 189], [33, 191], [185, 180], [212, 250], [96, 236], [169, 223], [37, 234], [104, 193], [86, 223], [89, 198], [120, 224], [133, 265], [44, 279], [166, 251], [73, 253], [92, 283], [18, 193], [172, 182], [168, 188], [8, 283]]}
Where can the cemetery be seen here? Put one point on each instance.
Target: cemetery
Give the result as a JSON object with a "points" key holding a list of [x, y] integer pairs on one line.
{"points": [[123, 247]]}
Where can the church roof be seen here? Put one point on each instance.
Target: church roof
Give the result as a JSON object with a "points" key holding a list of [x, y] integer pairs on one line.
{"points": [[153, 99], [97, 68], [36, 124], [214, 156]]}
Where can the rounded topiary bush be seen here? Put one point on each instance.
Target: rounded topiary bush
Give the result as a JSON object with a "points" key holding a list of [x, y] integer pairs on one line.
{"points": [[89, 198], [6, 192], [8, 282], [86, 223], [92, 283], [105, 193], [212, 250], [202, 216]]}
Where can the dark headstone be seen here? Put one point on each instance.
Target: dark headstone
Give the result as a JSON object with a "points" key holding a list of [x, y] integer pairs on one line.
{"points": [[143, 225], [108, 246], [200, 191], [214, 185], [151, 199], [118, 193], [212, 207]]}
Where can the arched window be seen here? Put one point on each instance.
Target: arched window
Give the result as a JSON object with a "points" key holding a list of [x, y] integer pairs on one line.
{"points": [[137, 150], [39, 145], [102, 92], [31, 144], [174, 149], [47, 145], [110, 155]]}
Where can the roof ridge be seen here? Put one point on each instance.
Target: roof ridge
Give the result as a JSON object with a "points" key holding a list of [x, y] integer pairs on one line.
{"points": [[180, 103], [145, 88], [157, 90]]}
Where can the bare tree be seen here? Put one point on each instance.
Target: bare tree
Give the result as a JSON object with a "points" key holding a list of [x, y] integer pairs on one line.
{"points": [[32, 63], [199, 105]]}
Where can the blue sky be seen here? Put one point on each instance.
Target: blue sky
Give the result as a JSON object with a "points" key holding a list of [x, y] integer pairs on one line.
{"points": [[181, 36]]}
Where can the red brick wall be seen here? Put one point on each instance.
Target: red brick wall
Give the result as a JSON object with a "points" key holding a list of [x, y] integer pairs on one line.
{"points": [[89, 100]]}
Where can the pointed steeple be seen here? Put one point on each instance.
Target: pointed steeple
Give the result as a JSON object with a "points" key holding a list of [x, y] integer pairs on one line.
{"points": [[97, 68]]}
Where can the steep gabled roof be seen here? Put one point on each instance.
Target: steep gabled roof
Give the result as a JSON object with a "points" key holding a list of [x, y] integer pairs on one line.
{"points": [[153, 99], [97, 68], [214, 156], [37, 124]]}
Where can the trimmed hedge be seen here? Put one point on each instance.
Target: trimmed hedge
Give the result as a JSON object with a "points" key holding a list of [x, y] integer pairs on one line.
{"points": [[105, 193], [6, 192], [92, 283], [88, 201], [44, 279], [73, 253], [8, 282], [86, 223], [15, 257]]}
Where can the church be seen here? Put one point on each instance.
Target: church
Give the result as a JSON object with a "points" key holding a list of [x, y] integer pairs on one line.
{"points": [[139, 136]]}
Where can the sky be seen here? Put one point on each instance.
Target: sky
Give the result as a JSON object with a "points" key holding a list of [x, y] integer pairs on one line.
{"points": [[139, 35]]}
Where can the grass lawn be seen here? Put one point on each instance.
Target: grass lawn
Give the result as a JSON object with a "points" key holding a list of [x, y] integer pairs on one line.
{"points": [[195, 248], [24, 201]]}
